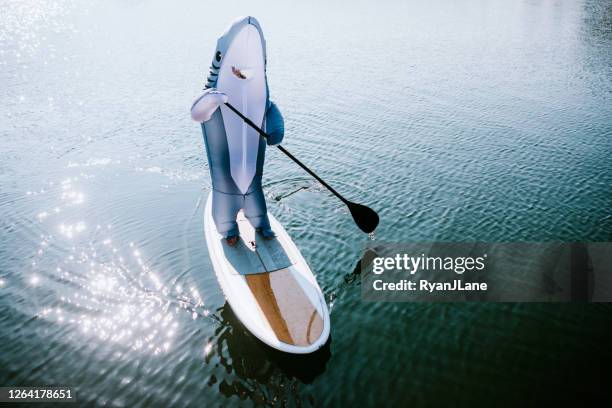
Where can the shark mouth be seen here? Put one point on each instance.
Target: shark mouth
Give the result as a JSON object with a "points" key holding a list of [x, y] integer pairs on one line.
{"points": [[239, 73]]}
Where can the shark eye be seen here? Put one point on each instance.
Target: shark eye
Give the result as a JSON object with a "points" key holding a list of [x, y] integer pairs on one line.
{"points": [[218, 56]]}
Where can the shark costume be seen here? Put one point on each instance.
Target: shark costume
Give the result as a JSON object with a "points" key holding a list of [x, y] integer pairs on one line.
{"points": [[235, 151]]}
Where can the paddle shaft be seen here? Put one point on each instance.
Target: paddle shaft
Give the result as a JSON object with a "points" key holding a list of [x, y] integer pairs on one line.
{"points": [[292, 157]]}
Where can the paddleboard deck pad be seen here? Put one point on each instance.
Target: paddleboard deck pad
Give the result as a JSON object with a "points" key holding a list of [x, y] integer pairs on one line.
{"points": [[269, 286], [252, 253]]}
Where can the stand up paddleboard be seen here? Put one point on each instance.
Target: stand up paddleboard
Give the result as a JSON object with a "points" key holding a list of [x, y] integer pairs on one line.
{"points": [[269, 286]]}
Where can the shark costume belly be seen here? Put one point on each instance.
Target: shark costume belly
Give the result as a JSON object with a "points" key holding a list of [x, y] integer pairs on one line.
{"points": [[235, 151]]}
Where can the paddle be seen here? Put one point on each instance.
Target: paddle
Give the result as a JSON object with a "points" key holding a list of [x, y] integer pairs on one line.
{"points": [[365, 218]]}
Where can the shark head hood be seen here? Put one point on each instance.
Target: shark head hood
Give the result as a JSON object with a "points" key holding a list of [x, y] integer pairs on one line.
{"points": [[237, 45]]}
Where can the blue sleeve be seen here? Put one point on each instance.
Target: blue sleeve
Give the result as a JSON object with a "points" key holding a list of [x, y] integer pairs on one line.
{"points": [[275, 125]]}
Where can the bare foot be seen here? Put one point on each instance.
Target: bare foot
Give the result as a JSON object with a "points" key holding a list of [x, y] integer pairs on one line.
{"points": [[231, 241]]}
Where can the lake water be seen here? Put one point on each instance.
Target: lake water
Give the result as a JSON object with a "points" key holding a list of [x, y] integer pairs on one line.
{"points": [[458, 121]]}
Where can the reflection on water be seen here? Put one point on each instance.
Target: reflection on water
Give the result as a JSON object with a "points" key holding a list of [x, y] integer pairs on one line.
{"points": [[264, 375], [457, 122]]}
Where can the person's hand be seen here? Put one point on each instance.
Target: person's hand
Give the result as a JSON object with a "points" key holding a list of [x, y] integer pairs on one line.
{"points": [[206, 104]]}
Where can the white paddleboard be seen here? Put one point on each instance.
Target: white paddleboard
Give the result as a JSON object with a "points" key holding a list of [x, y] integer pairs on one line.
{"points": [[269, 286]]}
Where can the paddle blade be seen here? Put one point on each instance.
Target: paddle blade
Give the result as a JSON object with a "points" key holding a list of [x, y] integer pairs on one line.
{"points": [[365, 217]]}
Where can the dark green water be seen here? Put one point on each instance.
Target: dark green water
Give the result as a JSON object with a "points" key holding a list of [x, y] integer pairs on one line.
{"points": [[465, 121]]}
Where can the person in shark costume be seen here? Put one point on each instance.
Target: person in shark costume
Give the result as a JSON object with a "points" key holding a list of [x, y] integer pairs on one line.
{"points": [[234, 150]]}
